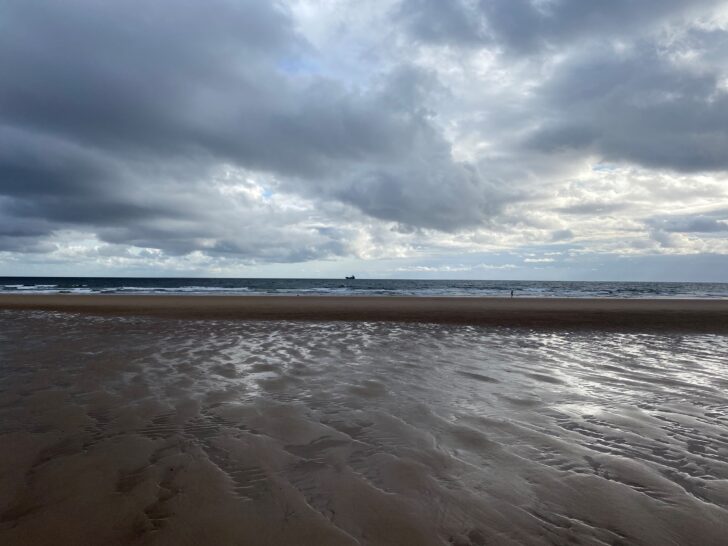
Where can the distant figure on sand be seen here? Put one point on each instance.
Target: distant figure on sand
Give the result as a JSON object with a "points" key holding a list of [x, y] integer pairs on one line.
{"points": [[511, 293]]}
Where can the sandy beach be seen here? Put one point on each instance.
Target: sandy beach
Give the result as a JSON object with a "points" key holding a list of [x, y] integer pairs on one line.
{"points": [[538, 313], [362, 421], [339, 273]]}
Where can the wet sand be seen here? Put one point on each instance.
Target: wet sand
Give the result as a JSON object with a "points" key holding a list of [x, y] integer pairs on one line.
{"points": [[541, 313], [118, 430]]}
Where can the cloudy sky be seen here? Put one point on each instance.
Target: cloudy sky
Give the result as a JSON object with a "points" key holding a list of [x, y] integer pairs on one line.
{"points": [[495, 139]]}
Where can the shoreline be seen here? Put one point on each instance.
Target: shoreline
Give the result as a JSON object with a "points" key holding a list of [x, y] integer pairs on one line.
{"points": [[628, 315]]}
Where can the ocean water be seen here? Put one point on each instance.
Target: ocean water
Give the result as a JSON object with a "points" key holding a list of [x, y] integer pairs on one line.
{"points": [[362, 287], [143, 431]]}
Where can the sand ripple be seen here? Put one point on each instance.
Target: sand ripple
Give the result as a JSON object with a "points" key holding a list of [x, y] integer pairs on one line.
{"points": [[118, 431]]}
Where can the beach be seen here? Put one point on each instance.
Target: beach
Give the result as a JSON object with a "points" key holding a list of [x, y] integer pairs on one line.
{"points": [[689, 315], [338, 273], [184, 420]]}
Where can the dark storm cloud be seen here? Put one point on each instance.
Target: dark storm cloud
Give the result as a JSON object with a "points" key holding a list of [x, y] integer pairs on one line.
{"points": [[48, 182], [24, 243], [101, 94], [112, 73], [23, 234], [171, 78], [638, 107], [117, 117]]}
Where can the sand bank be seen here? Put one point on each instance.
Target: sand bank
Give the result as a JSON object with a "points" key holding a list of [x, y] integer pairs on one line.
{"points": [[708, 316]]}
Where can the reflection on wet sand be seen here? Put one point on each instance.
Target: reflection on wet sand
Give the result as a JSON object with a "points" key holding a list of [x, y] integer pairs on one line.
{"points": [[130, 430]]}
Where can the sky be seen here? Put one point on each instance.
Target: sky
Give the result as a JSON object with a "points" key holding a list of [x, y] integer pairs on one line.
{"points": [[480, 139]]}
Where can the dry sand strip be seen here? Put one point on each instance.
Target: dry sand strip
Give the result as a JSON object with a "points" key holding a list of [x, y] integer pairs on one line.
{"points": [[706, 316]]}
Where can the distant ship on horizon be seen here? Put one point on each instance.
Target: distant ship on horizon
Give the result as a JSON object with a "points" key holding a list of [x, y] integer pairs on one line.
{"points": [[350, 278]]}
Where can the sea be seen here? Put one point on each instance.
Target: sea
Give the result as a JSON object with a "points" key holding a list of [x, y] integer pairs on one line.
{"points": [[360, 287]]}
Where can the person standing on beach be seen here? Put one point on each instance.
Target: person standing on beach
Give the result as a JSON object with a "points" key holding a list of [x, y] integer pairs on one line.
{"points": [[511, 293]]}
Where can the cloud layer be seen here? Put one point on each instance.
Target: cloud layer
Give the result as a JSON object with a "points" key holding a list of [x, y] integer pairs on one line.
{"points": [[232, 133]]}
